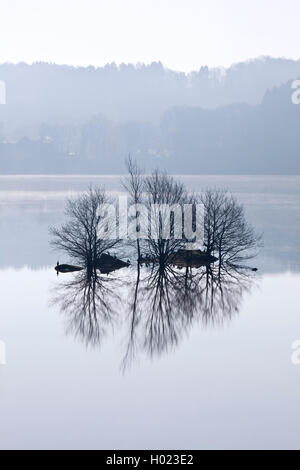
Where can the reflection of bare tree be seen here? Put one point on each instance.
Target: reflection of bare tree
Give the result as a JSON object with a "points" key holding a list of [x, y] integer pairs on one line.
{"points": [[156, 321], [166, 302], [165, 320], [90, 303], [220, 291]]}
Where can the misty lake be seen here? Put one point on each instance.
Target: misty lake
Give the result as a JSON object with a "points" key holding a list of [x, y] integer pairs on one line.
{"points": [[226, 383]]}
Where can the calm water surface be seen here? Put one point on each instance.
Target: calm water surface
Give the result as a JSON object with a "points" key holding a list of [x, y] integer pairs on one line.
{"points": [[228, 383]]}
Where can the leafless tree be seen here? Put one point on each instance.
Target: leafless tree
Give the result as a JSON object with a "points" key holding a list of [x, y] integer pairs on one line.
{"points": [[165, 193], [228, 235], [79, 237], [134, 185], [164, 198]]}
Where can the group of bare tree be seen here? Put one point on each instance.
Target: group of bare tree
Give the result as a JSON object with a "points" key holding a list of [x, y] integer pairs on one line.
{"points": [[164, 299], [227, 234], [163, 192]]}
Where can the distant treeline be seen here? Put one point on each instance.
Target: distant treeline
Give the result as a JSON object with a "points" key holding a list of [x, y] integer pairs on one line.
{"points": [[236, 139], [58, 94], [61, 119]]}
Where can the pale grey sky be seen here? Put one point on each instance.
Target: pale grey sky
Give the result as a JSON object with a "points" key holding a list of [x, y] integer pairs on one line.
{"points": [[182, 34]]}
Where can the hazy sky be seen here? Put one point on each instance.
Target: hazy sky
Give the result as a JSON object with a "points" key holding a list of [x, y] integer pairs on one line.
{"points": [[183, 34]]}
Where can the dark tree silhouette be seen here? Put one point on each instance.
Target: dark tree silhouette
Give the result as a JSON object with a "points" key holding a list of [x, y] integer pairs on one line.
{"points": [[168, 196], [79, 237], [134, 185], [228, 235]]}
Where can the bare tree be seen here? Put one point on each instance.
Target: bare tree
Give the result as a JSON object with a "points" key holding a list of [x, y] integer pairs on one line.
{"points": [[228, 235], [79, 237], [134, 185], [165, 193]]}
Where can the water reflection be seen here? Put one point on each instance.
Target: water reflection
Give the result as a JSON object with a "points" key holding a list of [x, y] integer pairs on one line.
{"points": [[90, 304], [161, 301], [166, 303], [222, 292]]}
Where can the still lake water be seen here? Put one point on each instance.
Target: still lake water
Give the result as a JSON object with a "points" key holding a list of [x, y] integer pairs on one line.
{"points": [[228, 384]]}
